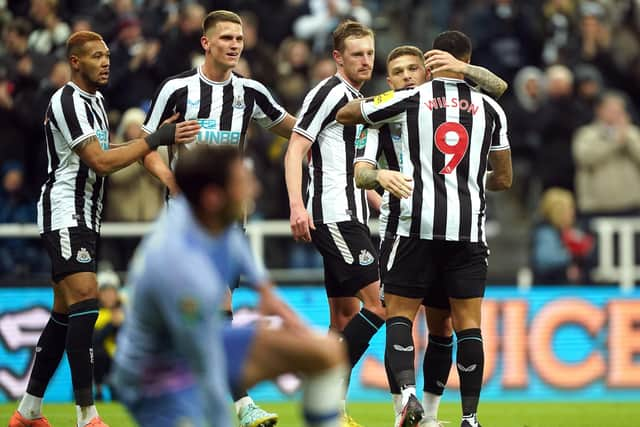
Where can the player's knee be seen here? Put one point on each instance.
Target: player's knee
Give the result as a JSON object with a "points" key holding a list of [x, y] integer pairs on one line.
{"points": [[329, 351], [377, 309]]}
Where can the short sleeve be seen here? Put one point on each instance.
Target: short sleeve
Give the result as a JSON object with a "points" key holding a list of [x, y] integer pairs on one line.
{"points": [[499, 136], [368, 145], [71, 115], [319, 108], [162, 107], [389, 106], [266, 111]]}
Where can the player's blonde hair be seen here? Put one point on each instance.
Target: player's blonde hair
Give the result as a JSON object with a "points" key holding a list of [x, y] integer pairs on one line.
{"points": [[216, 16], [77, 40], [347, 29]]}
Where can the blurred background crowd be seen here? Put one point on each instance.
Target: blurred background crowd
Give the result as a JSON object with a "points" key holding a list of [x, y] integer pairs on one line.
{"points": [[573, 67]]}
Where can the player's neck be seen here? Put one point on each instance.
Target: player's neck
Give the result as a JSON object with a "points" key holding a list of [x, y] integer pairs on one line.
{"points": [[344, 77], [215, 74], [448, 75], [211, 223], [83, 84]]}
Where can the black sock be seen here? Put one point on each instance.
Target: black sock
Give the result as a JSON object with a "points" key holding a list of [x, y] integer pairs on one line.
{"points": [[238, 393], [437, 363], [400, 351], [82, 318], [394, 388], [49, 351], [227, 315], [470, 367], [359, 331]]}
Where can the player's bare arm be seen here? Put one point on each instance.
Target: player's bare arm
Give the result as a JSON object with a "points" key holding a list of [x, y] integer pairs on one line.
{"points": [[438, 61], [285, 126], [374, 199], [367, 176], [300, 220], [106, 162], [350, 113], [501, 174]]}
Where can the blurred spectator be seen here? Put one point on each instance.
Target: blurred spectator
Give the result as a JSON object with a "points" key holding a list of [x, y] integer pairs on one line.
{"points": [[181, 47], [589, 87], [133, 77], [18, 256], [292, 84], [132, 194], [558, 27], [52, 34], [523, 109], [556, 123], [607, 156], [503, 37], [275, 27], [261, 57], [324, 17], [108, 15], [559, 248], [322, 68], [110, 317]]}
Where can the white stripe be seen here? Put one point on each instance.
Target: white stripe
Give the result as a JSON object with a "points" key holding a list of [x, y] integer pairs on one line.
{"points": [[65, 243], [426, 160], [392, 254], [475, 152], [451, 180], [339, 241]]}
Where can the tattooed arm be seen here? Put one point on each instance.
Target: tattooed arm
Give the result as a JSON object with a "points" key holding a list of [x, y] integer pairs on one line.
{"points": [[394, 182], [438, 60]]}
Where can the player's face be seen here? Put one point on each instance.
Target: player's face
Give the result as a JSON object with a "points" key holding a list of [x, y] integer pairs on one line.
{"points": [[406, 71], [93, 63], [241, 192], [224, 42], [357, 58]]}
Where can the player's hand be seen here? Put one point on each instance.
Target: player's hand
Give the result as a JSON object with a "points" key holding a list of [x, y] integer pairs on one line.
{"points": [[187, 131], [396, 183], [438, 60], [301, 223], [271, 304]]}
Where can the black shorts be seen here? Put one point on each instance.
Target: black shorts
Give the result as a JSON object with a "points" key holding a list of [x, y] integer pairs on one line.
{"points": [[72, 250], [350, 259], [435, 270]]}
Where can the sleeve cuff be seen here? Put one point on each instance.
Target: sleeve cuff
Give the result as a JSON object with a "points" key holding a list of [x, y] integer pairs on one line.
{"points": [[365, 116], [276, 121], [365, 160], [304, 133], [80, 139]]}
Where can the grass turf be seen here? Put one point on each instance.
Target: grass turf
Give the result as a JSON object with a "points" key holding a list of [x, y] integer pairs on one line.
{"points": [[560, 414]]}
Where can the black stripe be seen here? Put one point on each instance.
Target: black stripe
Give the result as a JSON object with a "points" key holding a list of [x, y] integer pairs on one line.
{"points": [[226, 116], [266, 106], [69, 112], [317, 101], [462, 171], [81, 182], [316, 203], [489, 115], [349, 138], [395, 109], [246, 115], [439, 116], [95, 198], [386, 146], [103, 112], [96, 114], [414, 154], [205, 100], [177, 102], [157, 95], [54, 161], [89, 113]]}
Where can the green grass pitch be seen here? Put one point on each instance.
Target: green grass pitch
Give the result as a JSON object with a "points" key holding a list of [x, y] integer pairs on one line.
{"points": [[560, 414]]}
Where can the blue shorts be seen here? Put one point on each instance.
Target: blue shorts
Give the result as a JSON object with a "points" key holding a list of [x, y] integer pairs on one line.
{"points": [[177, 408], [237, 342]]}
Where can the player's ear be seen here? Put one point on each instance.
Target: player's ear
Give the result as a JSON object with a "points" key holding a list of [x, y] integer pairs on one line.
{"points": [[204, 42], [337, 56]]}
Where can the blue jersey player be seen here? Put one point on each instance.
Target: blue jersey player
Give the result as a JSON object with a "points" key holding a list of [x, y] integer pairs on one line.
{"points": [[176, 356]]}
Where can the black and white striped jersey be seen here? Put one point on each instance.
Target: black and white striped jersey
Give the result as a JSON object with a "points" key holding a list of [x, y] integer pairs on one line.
{"points": [[372, 146], [448, 129], [72, 194], [223, 109], [333, 195]]}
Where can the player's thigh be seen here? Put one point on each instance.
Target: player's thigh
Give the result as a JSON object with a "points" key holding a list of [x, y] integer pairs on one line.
{"points": [[342, 310], [406, 267], [350, 257], [439, 321], [175, 409], [73, 261], [274, 352]]}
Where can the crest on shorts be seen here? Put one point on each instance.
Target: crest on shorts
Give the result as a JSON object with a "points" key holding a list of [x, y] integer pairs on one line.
{"points": [[83, 256], [365, 257], [238, 101]]}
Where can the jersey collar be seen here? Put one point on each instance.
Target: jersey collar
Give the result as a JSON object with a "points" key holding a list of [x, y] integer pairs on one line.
{"points": [[211, 82], [347, 84], [448, 79], [83, 92]]}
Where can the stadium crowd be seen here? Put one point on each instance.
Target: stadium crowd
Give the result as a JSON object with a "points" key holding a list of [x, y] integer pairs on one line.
{"points": [[573, 67]]}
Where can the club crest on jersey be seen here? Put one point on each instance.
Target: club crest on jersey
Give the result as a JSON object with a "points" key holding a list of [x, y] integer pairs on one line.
{"points": [[83, 256], [365, 257], [238, 102], [361, 140], [103, 139]]}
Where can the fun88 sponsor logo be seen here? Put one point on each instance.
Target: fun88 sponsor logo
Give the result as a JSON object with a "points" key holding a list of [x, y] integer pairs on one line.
{"points": [[209, 134]]}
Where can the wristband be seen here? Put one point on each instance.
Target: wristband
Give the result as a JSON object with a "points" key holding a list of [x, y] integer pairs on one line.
{"points": [[165, 135]]}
